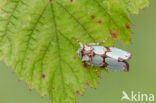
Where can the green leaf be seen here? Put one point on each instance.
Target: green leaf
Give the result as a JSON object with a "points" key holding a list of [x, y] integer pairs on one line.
{"points": [[36, 40]]}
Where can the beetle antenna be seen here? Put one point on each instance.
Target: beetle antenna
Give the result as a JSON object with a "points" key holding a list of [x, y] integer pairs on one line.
{"points": [[78, 42], [91, 44], [104, 40]]}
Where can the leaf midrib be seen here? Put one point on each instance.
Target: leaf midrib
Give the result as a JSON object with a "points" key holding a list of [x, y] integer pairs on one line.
{"points": [[58, 48]]}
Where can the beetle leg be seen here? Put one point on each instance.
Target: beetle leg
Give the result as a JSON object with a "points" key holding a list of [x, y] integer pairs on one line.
{"points": [[91, 44]]}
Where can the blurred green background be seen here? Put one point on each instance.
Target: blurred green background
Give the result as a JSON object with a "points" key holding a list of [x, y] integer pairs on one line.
{"points": [[141, 78]]}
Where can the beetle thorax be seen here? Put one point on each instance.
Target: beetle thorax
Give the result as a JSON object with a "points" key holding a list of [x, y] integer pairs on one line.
{"points": [[86, 51]]}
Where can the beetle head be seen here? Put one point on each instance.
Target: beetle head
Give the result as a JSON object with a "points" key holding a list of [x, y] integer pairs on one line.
{"points": [[79, 52]]}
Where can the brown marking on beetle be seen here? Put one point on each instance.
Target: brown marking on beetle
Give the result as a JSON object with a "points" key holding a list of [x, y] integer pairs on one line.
{"points": [[105, 56], [90, 53], [114, 34], [120, 59], [126, 67], [129, 57], [82, 52]]}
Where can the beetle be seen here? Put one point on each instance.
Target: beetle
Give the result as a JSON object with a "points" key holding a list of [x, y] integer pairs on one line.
{"points": [[107, 57]]}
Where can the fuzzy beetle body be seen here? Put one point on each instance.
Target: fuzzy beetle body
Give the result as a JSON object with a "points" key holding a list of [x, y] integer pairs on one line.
{"points": [[107, 57]]}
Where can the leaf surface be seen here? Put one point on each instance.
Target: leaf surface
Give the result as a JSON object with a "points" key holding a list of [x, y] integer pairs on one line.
{"points": [[36, 38]]}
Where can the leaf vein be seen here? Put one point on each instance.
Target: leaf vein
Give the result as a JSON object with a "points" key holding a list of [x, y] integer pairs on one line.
{"points": [[9, 19], [30, 36], [58, 47], [71, 68], [83, 27]]}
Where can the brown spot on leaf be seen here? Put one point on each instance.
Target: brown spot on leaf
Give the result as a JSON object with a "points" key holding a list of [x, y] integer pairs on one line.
{"points": [[30, 89], [43, 76], [114, 34], [71, 0], [68, 30], [99, 76], [99, 22], [88, 83], [92, 17], [77, 92], [57, 30], [78, 19], [74, 57], [41, 50], [53, 89], [128, 26], [1, 9]]}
